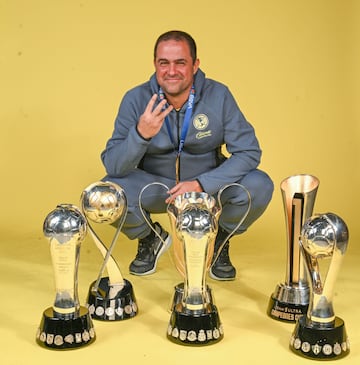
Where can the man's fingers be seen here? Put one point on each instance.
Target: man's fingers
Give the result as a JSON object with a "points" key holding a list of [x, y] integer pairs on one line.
{"points": [[158, 110], [166, 111], [150, 105]]}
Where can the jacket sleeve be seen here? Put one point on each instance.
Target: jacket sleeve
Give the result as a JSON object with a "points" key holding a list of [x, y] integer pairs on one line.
{"points": [[125, 149], [243, 150]]}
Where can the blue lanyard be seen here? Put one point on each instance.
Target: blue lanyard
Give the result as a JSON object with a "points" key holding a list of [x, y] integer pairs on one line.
{"points": [[187, 118]]}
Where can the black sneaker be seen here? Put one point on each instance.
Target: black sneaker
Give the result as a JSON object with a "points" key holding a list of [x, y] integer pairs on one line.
{"points": [[222, 268], [150, 249]]}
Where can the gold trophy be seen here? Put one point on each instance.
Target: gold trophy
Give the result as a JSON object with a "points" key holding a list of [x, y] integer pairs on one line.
{"points": [[320, 334], [194, 220], [110, 298], [67, 324], [290, 299]]}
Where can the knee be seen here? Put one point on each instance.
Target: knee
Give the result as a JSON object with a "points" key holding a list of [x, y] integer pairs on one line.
{"points": [[259, 186]]}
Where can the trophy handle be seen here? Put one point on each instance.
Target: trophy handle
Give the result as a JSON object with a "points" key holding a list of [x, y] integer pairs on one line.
{"points": [[219, 203], [339, 249], [142, 211], [115, 277], [312, 266], [241, 220]]}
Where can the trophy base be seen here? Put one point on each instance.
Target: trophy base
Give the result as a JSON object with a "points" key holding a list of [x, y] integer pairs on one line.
{"points": [[288, 304], [179, 294], [65, 334], [195, 330], [320, 343], [122, 306]]}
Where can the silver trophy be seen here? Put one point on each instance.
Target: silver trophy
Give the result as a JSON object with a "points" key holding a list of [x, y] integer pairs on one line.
{"points": [[67, 324], [194, 220], [320, 334], [110, 298], [290, 299]]}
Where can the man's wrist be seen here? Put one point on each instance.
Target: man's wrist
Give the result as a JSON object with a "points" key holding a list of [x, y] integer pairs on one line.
{"points": [[201, 187], [145, 139]]}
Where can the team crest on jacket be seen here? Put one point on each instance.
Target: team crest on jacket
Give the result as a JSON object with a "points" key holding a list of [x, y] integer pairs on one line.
{"points": [[200, 122]]}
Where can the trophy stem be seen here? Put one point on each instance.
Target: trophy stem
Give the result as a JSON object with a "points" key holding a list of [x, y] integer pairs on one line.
{"points": [[65, 260], [115, 277], [195, 264]]}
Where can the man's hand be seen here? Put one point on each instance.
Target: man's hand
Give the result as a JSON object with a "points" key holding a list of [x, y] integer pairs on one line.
{"points": [[183, 187], [152, 119]]}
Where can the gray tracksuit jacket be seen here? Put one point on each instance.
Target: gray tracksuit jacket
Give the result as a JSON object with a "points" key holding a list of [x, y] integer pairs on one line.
{"points": [[216, 120]]}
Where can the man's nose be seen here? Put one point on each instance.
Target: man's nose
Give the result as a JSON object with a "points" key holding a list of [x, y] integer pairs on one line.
{"points": [[172, 69]]}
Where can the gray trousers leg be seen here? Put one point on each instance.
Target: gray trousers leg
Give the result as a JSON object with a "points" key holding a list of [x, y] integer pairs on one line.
{"points": [[234, 200]]}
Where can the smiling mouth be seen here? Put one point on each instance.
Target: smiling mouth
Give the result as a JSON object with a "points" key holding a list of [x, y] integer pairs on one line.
{"points": [[173, 79]]}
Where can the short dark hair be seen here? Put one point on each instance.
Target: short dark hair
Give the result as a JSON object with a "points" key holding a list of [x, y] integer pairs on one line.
{"points": [[178, 35]]}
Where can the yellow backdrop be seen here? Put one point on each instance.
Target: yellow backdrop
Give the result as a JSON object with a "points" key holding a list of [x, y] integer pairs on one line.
{"points": [[293, 67]]}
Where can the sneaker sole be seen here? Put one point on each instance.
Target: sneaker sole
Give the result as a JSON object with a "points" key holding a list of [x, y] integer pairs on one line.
{"points": [[164, 248], [213, 276]]}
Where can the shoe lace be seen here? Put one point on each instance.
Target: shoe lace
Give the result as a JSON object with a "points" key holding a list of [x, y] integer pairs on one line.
{"points": [[223, 257], [144, 249]]}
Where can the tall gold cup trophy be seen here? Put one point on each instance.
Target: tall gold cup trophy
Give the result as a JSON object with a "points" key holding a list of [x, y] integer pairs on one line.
{"points": [[111, 297], [320, 334], [290, 299], [67, 324], [194, 220]]}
